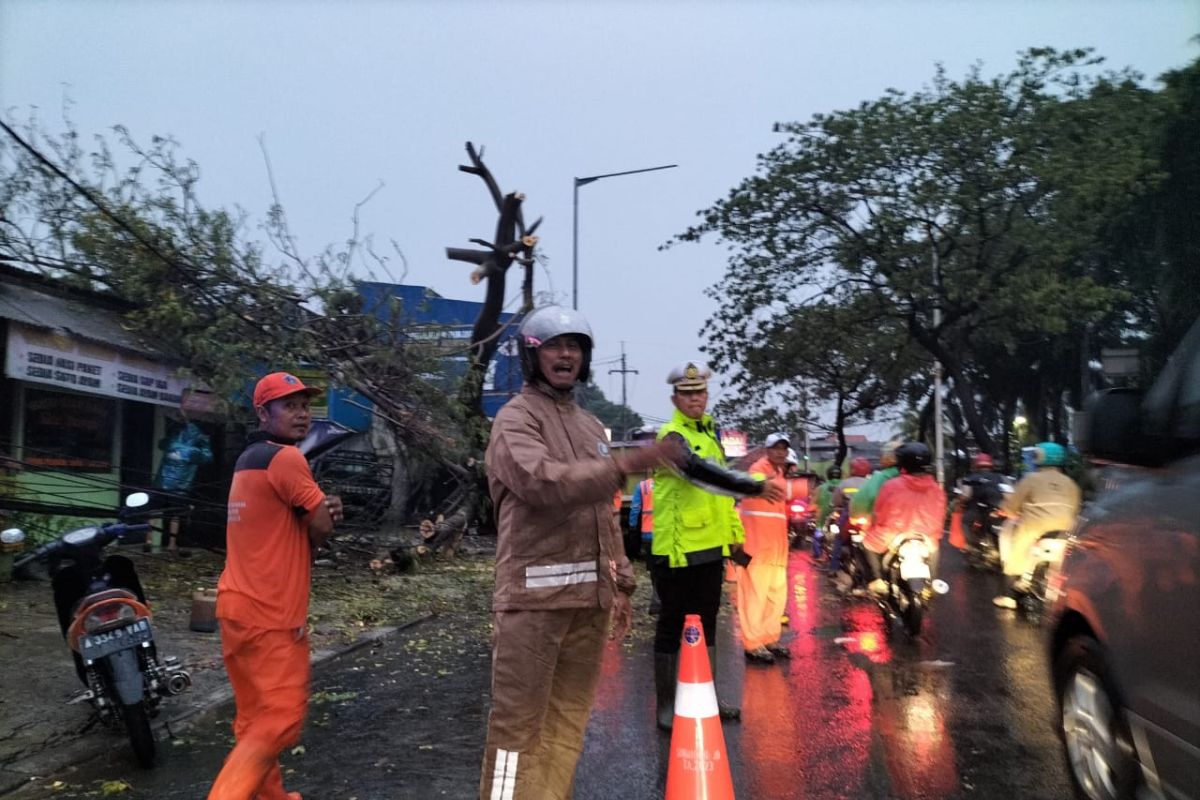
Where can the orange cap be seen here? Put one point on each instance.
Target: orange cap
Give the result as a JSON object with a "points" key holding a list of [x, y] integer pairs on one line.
{"points": [[277, 385]]}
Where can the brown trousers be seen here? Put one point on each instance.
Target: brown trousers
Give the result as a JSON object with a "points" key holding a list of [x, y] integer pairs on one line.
{"points": [[545, 667]]}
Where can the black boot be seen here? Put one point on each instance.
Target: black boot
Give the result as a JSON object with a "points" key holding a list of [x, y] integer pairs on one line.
{"points": [[726, 711], [665, 674]]}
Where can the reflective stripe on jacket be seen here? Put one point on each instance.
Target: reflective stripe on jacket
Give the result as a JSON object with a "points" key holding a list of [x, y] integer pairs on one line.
{"points": [[641, 510], [765, 522], [692, 526], [552, 481]]}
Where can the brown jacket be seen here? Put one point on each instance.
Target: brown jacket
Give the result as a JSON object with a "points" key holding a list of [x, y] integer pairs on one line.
{"points": [[552, 481]]}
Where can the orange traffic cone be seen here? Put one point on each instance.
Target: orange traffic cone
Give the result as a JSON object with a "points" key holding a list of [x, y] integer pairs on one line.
{"points": [[699, 767]]}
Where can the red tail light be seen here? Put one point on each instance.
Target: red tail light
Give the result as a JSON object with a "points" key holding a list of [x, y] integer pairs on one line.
{"points": [[108, 615]]}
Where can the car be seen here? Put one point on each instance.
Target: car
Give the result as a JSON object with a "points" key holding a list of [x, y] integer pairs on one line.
{"points": [[1123, 606]]}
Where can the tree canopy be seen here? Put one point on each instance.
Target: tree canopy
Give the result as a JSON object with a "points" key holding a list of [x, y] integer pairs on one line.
{"points": [[969, 219], [130, 223]]}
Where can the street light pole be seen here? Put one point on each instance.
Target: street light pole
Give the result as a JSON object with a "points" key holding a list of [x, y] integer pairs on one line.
{"points": [[938, 442], [575, 222]]}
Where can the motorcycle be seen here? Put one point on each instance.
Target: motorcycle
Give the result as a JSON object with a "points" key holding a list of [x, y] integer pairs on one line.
{"points": [[801, 526], [105, 619], [910, 586], [1047, 556], [983, 539], [854, 573]]}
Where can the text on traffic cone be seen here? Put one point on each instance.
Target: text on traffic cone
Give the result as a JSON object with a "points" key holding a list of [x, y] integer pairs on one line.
{"points": [[698, 768]]}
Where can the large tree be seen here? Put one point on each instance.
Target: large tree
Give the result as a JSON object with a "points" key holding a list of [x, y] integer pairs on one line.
{"points": [[969, 210], [128, 220], [846, 354]]}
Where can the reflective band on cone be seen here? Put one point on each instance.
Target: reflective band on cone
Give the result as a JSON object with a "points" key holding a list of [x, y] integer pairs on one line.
{"points": [[699, 766]]}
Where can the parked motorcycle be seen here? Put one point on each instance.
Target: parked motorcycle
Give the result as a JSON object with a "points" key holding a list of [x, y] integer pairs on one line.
{"points": [[106, 621], [910, 586]]}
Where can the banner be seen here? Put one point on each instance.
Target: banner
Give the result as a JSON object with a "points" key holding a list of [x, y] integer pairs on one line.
{"points": [[51, 359]]}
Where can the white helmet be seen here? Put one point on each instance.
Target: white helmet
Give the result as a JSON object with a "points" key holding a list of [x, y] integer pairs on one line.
{"points": [[543, 324]]}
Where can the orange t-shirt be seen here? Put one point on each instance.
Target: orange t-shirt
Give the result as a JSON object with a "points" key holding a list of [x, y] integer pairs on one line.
{"points": [[267, 562]]}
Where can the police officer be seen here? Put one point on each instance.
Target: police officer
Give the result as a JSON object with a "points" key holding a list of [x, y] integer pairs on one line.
{"points": [[694, 530]]}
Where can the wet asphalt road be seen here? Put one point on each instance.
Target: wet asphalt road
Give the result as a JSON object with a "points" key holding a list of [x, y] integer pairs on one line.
{"points": [[963, 712]]}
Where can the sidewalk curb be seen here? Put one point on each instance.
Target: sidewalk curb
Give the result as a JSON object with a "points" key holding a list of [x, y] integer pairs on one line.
{"points": [[52, 759]]}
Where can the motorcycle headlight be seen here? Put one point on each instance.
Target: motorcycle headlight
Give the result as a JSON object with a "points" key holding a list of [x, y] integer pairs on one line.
{"points": [[108, 616]]}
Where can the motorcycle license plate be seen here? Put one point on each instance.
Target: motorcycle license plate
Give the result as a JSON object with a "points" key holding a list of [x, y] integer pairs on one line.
{"points": [[911, 568], [98, 645]]}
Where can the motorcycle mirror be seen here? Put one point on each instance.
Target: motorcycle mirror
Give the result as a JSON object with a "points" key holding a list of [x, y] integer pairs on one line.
{"points": [[137, 500], [12, 536]]}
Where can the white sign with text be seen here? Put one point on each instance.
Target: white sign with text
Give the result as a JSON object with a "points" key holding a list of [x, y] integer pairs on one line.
{"points": [[58, 360]]}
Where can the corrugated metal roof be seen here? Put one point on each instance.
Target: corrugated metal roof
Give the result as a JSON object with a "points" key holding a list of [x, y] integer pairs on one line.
{"points": [[94, 322]]}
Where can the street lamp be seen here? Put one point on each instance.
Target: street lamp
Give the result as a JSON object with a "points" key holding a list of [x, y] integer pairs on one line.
{"points": [[575, 225]]}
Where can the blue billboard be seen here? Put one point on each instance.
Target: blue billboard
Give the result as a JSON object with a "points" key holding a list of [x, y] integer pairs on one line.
{"points": [[447, 324]]}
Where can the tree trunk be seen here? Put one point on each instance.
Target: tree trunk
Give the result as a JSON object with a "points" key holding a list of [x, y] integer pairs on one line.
{"points": [[952, 369], [840, 431]]}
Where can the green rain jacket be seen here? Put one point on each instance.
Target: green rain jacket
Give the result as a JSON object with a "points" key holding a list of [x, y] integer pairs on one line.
{"points": [[862, 502], [825, 501], [692, 526]]}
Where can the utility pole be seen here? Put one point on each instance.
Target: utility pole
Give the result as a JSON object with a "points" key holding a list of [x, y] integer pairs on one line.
{"points": [[939, 460], [624, 371]]}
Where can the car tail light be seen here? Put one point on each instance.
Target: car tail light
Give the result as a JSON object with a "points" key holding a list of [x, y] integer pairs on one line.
{"points": [[108, 616]]}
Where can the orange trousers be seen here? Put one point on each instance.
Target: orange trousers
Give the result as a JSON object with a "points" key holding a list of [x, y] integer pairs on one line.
{"points": [[269, 671], [762, 585]]}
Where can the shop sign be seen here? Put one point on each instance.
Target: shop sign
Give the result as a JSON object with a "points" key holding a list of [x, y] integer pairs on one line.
{"points": [[58, 360], [734, 444]]}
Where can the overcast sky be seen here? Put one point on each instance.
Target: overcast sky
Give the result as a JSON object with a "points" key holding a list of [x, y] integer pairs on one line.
{"points": [[351, 94]]}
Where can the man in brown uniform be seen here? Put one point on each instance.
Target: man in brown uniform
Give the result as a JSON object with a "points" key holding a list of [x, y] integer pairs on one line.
{"points": [[561, 569]]}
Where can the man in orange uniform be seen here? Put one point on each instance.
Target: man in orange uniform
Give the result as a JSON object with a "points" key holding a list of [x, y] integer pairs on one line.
{"points": [[277, 517], [762, 583]]}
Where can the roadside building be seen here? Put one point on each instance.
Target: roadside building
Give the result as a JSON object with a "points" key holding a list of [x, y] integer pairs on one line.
{"points": [[86, 402]]}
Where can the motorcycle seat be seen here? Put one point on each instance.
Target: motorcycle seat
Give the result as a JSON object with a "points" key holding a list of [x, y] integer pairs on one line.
{"points": [[100, 597]]}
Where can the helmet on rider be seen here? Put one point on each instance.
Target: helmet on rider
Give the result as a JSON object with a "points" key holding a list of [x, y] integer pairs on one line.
{"points": [[834, 473], [1049, 454], [983, 463], [542, 325], [913, 457], [860, 467]]}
